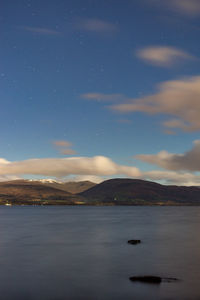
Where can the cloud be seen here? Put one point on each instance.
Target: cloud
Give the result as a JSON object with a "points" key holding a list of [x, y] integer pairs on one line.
{"points": [[90, 168], [188, 161], [162, 56], [67, 151], [178, 98], [62, 143], [92, 178], [60, 167], [4, 161], [41, 30], [9, 177], [64, 147], [173, 178], [182, 167], [100, 97], [189, 8], [96, 25]]}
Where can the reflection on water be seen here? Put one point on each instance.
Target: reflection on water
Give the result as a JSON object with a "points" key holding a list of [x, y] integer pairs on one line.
{"points": [[59, 253]]}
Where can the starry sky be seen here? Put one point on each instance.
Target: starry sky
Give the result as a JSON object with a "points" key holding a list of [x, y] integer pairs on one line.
{"points": [[97, 89]]}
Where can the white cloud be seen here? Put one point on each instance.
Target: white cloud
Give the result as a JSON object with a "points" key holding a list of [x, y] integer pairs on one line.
{"points": [[92, 178], [178, 98], [188, 161], [3, 161], [90, 168], [9, 178], [162, 56], [96, 25], [60, 167]]}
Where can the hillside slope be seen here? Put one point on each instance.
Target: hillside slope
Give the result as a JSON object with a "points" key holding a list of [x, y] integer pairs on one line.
{"points": [[73, 187], [141, 192], [26, 192]]}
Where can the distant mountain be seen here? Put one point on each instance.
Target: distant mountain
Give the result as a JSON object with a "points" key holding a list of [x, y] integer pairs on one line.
{"points": [[73, 187], [48, 180], [26, 192], [110, 192], [141, 192], [77, 187]]}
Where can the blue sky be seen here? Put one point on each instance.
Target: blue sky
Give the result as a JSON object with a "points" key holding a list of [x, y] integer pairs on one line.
{"points": [[92, 79]]}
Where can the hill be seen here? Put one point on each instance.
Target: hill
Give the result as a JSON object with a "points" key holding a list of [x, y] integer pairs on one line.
{"points": [[141, 192], [110, 192], [34, 192], [73, 187]]}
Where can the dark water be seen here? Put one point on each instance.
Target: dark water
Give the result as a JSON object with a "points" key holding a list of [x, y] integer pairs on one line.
{"points": [[58, 253]]}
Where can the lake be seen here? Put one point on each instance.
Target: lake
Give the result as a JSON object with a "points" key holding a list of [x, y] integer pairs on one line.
{"points": [[79, 252]]}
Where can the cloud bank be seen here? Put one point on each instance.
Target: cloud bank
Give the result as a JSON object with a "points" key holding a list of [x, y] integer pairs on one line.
{"points": [[178, 98], [188, 161], [60, 167], [162, 56], [173, 178], [90, 167]]}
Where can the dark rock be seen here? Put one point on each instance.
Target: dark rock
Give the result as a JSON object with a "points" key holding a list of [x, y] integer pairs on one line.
{"points": [[147, 279], [134, 242], [152, 279]]}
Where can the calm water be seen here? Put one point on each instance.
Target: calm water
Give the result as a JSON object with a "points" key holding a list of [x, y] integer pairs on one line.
{"points": [[59, 253]]}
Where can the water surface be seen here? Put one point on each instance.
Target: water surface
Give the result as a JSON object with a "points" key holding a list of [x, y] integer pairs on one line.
{"points": [[57, 253]]}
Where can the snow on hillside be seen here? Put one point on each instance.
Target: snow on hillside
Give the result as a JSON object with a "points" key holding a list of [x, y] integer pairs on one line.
{"points": [[48, 180]]}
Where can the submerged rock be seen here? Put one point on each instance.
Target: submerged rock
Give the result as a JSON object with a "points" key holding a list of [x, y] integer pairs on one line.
{"points": [[134, 242], [152, 279]]}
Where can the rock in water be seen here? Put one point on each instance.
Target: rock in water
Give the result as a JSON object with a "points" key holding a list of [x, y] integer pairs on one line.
{"points": [[152, 279], [147, 279], [134, 242]]}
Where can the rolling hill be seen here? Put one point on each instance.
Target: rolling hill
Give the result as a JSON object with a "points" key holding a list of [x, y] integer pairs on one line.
{"points": [[34, 192], [73, 187], [110, 192], [141, 192]]}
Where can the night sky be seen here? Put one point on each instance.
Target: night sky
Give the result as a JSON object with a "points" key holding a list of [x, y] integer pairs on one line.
{"points": [[97, 89]]}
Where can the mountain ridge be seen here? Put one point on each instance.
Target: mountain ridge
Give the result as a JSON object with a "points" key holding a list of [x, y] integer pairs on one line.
{"points": [[141, 192], [26, 192], [118, 191]]}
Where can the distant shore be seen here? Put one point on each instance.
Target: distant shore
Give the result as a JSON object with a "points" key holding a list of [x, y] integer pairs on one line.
{"points": [[112, 192], [92, 204]]}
